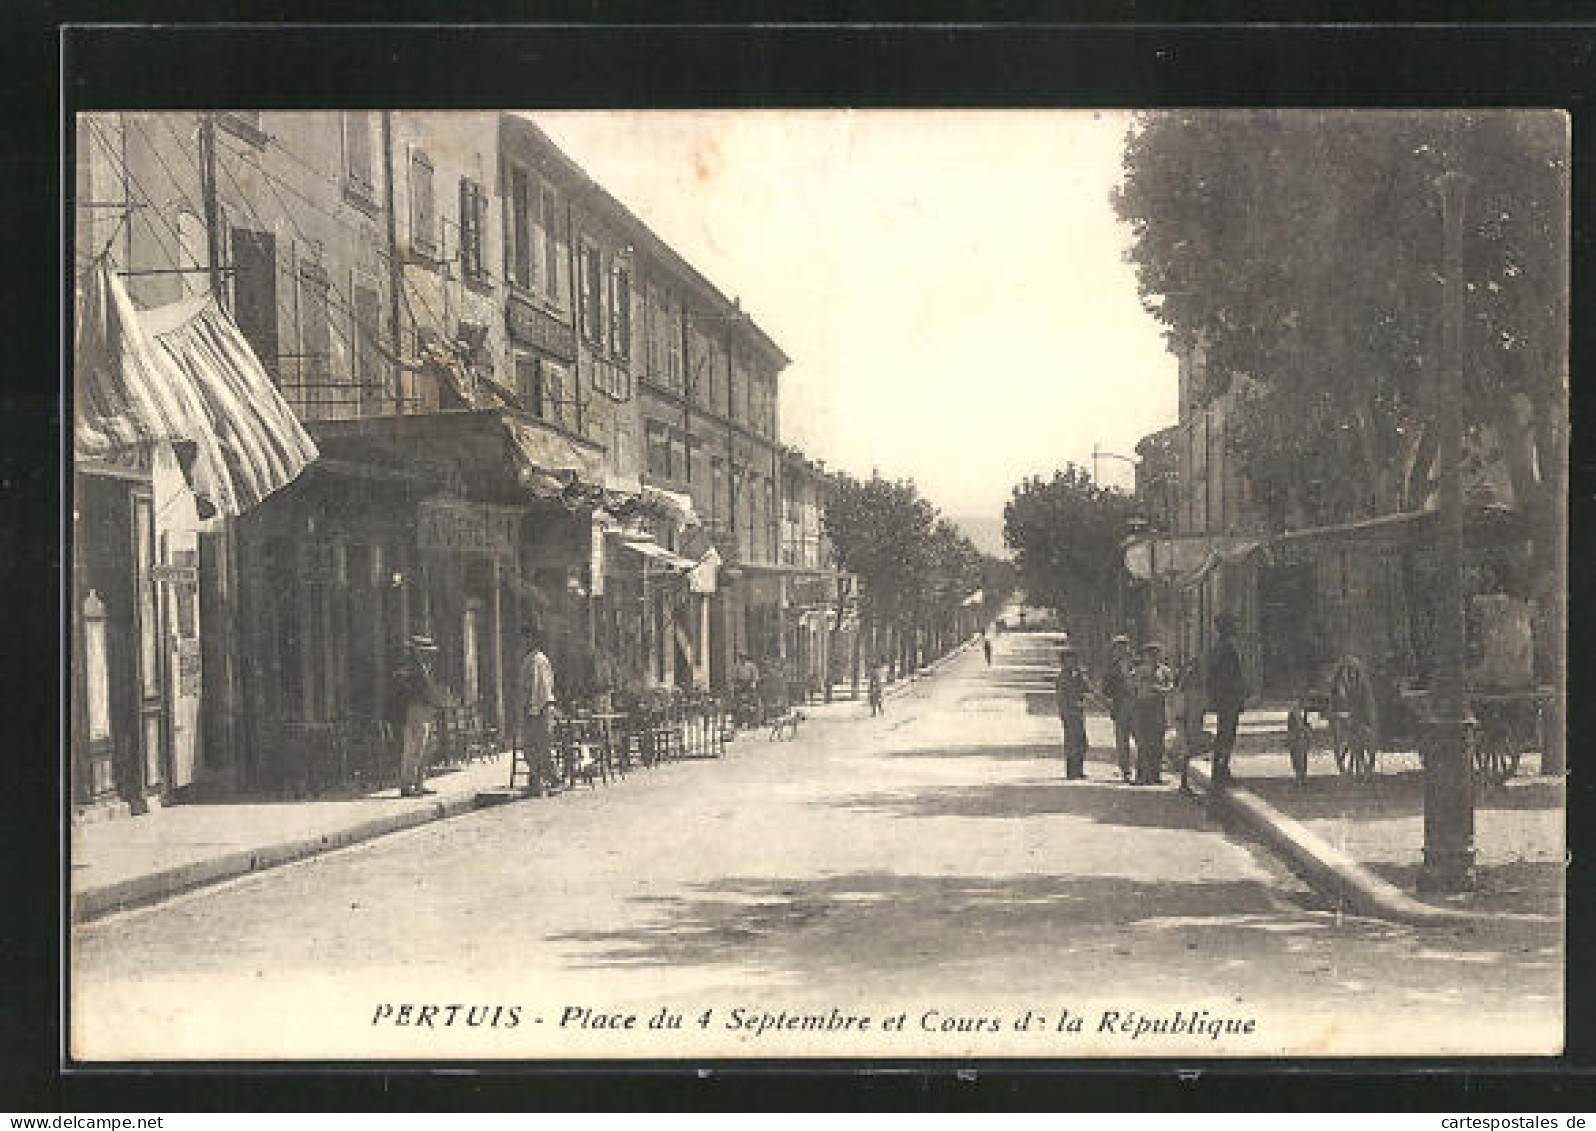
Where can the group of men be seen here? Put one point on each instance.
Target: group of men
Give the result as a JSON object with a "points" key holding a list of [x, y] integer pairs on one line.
{"points": [[1136, 690], [416, 695]]}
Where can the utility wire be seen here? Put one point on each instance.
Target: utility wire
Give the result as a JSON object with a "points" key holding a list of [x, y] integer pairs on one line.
{"points": [[131, 183]]}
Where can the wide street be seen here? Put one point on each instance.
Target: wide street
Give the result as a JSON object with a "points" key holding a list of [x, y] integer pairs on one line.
{"points": [[929, 871]]}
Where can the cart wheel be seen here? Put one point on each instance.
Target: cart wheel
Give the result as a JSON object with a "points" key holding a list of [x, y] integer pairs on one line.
{"points": [[1299, 741], [1360, 753], [1496, 758], [1341, 740]]}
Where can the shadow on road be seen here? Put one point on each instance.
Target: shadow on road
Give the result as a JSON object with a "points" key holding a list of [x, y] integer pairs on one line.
{"points": [[879, 924], [1003, 752], [873, 922], [1111, 803]]}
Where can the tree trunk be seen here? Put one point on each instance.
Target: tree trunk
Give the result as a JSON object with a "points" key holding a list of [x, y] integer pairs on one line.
{"points": [[831, 635]]}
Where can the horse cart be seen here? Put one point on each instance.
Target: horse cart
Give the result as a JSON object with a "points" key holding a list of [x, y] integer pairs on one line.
{"points": [[1366, 714]]}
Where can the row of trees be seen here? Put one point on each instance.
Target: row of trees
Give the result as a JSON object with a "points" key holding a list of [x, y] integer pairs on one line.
{"points": [[915, 568]]}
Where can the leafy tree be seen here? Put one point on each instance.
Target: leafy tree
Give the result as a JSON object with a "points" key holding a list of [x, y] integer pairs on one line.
{"points": [[1066, 533], [1302, 251]]}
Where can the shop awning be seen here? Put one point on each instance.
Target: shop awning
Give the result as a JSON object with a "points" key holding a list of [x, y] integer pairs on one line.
{"points": [[182, 374], [549, 452], [675, 504], [1184, 561], [654, 552], [705, 576]]}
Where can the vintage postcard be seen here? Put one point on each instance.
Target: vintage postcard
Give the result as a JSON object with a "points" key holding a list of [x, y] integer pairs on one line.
{"points": [[824, 583]]}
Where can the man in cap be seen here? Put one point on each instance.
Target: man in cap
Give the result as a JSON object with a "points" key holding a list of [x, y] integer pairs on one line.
{"points": [[1070, 689], [1117, 691], [1151, 682], [1227, 694], [416, 698]]}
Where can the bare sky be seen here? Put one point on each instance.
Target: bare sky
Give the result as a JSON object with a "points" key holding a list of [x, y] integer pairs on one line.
{"points": [[950, 285]]}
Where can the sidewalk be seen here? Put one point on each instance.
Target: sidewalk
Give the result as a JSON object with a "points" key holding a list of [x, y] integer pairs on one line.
{"points": [[126, 862], [1362, 845]]}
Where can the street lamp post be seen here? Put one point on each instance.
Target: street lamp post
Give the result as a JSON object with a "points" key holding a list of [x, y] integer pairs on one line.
{"points": [[1448, 787]]}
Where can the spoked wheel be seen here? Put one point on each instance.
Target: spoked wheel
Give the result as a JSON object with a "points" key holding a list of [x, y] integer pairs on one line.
{"points": [[1360, 754], [1353, 744], [1495, 756], [1340, 738]]}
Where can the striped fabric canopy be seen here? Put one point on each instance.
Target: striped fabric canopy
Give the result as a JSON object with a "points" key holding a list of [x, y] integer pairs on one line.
{"points": [[182, 372]]}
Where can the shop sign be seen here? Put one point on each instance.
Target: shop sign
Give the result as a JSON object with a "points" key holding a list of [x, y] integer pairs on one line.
{"points": [[531, 326], [463, 527]]}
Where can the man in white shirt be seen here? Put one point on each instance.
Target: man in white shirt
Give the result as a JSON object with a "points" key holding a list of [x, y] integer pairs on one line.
{"points": [[537, 699]]}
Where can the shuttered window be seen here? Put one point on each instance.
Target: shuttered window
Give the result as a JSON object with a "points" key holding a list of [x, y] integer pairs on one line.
{"points": [[551, 245], [520, 250], [357, 155], [255, 294], [423, 212], [529, 384]]}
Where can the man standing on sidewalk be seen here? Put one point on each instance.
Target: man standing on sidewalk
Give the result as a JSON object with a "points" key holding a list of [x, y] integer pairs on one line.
{"points": [[1071, 689], [537, 691], [1117, 690], [1227, 694], [417, 697], [1151, 683]]}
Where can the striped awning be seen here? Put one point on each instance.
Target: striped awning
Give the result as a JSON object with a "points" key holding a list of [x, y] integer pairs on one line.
{"points": [[182, 374]]}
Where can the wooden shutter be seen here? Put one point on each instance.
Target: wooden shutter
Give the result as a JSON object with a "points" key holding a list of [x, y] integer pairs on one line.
{"points": [[551, 245], [357, 154], [255, 294], [423, 215]]}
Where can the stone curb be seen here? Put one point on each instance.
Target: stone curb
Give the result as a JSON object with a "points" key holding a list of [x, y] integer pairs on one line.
{"points": [[1332, 873], [154, 887]]}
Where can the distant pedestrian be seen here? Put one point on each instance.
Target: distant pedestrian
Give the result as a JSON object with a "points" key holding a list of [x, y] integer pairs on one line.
{"points": [[537, 705], [875, 689], [986, 647], [1227, 694], [1151, 684], [415, 697], [1117, 691], [1070, 689]]}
